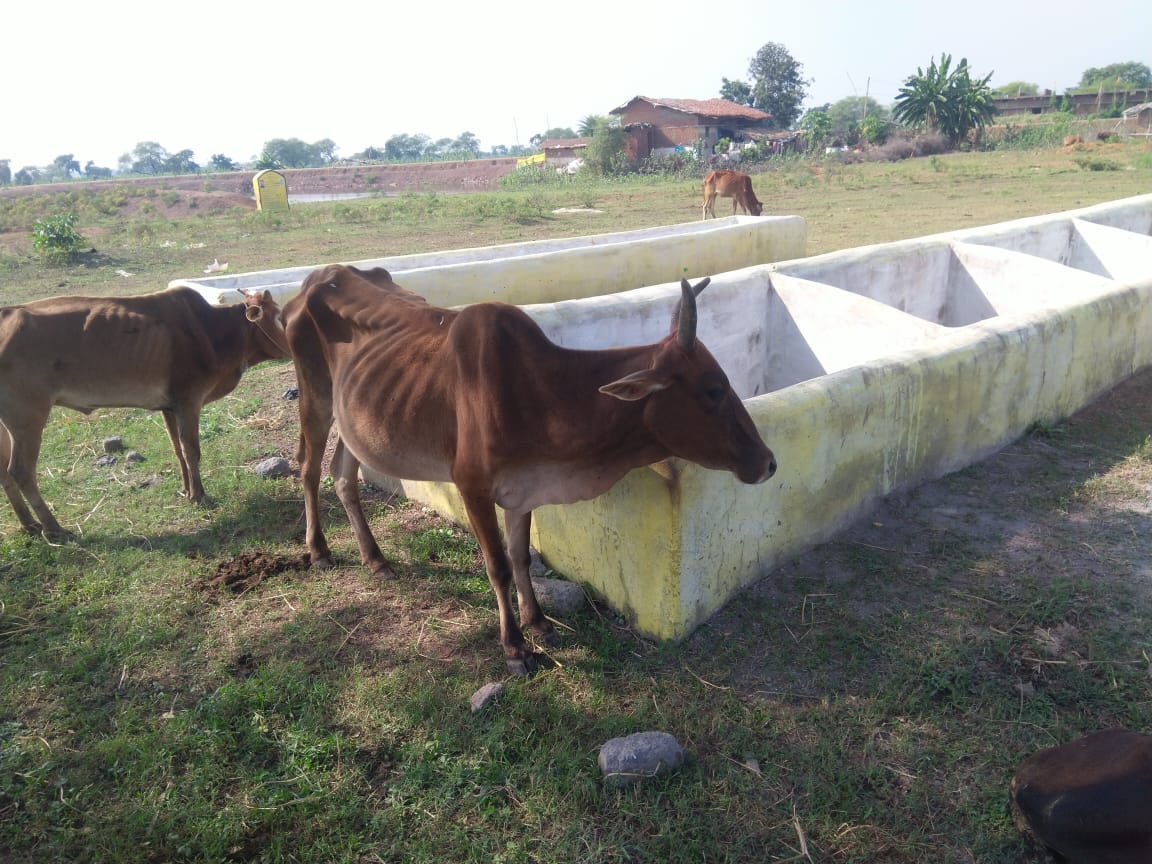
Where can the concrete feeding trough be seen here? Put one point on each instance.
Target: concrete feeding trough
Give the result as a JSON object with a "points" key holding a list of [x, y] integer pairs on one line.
{"points": [[867, 371], [544, 271]]}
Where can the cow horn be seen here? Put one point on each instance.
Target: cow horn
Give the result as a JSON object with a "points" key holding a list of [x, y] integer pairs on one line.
{"points": [[684, 317]]}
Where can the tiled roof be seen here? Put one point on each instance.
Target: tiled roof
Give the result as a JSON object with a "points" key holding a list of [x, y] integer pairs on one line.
{"points": [[705, 107]]}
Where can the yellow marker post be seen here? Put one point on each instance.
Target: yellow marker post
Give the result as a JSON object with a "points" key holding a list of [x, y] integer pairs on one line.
{"points": [[271, 190]]}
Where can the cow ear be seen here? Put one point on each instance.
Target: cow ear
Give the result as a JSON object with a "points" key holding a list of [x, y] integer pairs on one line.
{"points": [[636, 386], [254, 313]]}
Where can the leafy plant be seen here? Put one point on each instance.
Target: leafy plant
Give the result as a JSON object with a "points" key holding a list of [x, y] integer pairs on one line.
{"points": [[945, 100], [56, 239]]}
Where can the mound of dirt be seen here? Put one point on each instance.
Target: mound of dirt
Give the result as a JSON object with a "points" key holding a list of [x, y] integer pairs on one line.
{"points": [[245, 571]]}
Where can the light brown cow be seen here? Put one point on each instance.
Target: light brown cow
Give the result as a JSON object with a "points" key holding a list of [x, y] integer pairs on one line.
{"points": [[1090, 800], [724, 183], [169, 351], [480, 397]]}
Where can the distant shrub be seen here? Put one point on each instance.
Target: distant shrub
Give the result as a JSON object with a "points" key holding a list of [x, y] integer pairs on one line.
{"points": [[56, 239], [930, 145], [1092, 163]]}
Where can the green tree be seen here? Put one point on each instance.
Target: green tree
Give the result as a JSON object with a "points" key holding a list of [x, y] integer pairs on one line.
{"points": [[94, 172], [64, 167], [325, 150], [467, 144], [1016, 88], [404, 147], [1117, 76], [874, 129], [606, 152], [778, 85], [147, 157], [5, 172], [739, 92], [267, 162], [220, 162], [816, 127], [181, 163], [548, 134], [292, 153], [587, 127], [945, 99], [848, 113]]}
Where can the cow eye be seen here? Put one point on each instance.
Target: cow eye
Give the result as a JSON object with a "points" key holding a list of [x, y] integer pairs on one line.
{"points": [[715, 395]]}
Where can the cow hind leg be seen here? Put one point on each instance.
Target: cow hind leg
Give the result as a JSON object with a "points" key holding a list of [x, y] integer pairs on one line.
{"points": [[518, 527], [346, 472], [482, 515]]}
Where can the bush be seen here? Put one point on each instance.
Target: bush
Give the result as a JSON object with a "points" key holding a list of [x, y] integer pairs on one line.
{"points": [[56, 239]]}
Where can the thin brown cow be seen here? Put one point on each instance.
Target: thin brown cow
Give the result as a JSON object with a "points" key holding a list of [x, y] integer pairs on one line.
{"points": [[169, 351], [480, 397], [724, 183]]}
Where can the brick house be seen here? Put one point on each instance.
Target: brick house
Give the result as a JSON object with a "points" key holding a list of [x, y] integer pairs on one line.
{"points": [[661, 126]]}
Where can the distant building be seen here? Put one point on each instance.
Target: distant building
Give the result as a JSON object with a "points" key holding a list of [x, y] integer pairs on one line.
{"points": [[663, 126], [1081, 104]]}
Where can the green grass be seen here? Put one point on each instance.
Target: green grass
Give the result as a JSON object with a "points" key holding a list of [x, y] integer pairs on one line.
{"points": [[868, 701]]}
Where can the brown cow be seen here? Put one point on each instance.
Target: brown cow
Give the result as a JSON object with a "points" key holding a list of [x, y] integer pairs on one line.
{"points": [[169, 351], [1090, 800], [725, 183], [480, 397]]}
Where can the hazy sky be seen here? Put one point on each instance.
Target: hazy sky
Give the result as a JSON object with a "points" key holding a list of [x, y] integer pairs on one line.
{"points": [[224, 77]]}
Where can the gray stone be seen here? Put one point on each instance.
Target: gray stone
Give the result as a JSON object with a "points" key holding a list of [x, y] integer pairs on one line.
{"points": [[536, 567], [486, 695], [625, 760], [558, 595], [274, 466], [106, 460], [133, 457], [114, 444]]}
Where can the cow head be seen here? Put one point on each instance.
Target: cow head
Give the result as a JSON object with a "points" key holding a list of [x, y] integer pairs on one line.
{"points": [[690, 408], [270, 343]]}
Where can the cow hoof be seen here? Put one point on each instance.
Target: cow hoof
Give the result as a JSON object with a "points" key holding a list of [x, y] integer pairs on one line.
{"points": [[522, 667], [322, 564], [59, 535], [550, 639], [384, 570]]}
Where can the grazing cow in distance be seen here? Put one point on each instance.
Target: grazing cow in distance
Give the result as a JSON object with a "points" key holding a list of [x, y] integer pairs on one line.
{"points": [[170, 351], [482, 398], [725, 183], [1090, 800]]}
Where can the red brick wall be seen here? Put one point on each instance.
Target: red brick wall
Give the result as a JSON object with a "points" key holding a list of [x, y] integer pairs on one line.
{"points": [[671, 127]]}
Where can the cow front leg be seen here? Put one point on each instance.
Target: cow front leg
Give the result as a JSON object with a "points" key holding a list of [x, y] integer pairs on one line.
{"points": [[183, 425], [19, 481], [12, 488], [346, 473], [315, 424], [482, 516], [518, 527]]}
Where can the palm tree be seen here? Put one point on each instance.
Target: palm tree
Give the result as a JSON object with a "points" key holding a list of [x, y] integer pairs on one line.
{"points": [[945, 100]]}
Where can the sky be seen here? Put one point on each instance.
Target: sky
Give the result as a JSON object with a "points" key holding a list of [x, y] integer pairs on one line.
{"points": [[225, 77]]}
